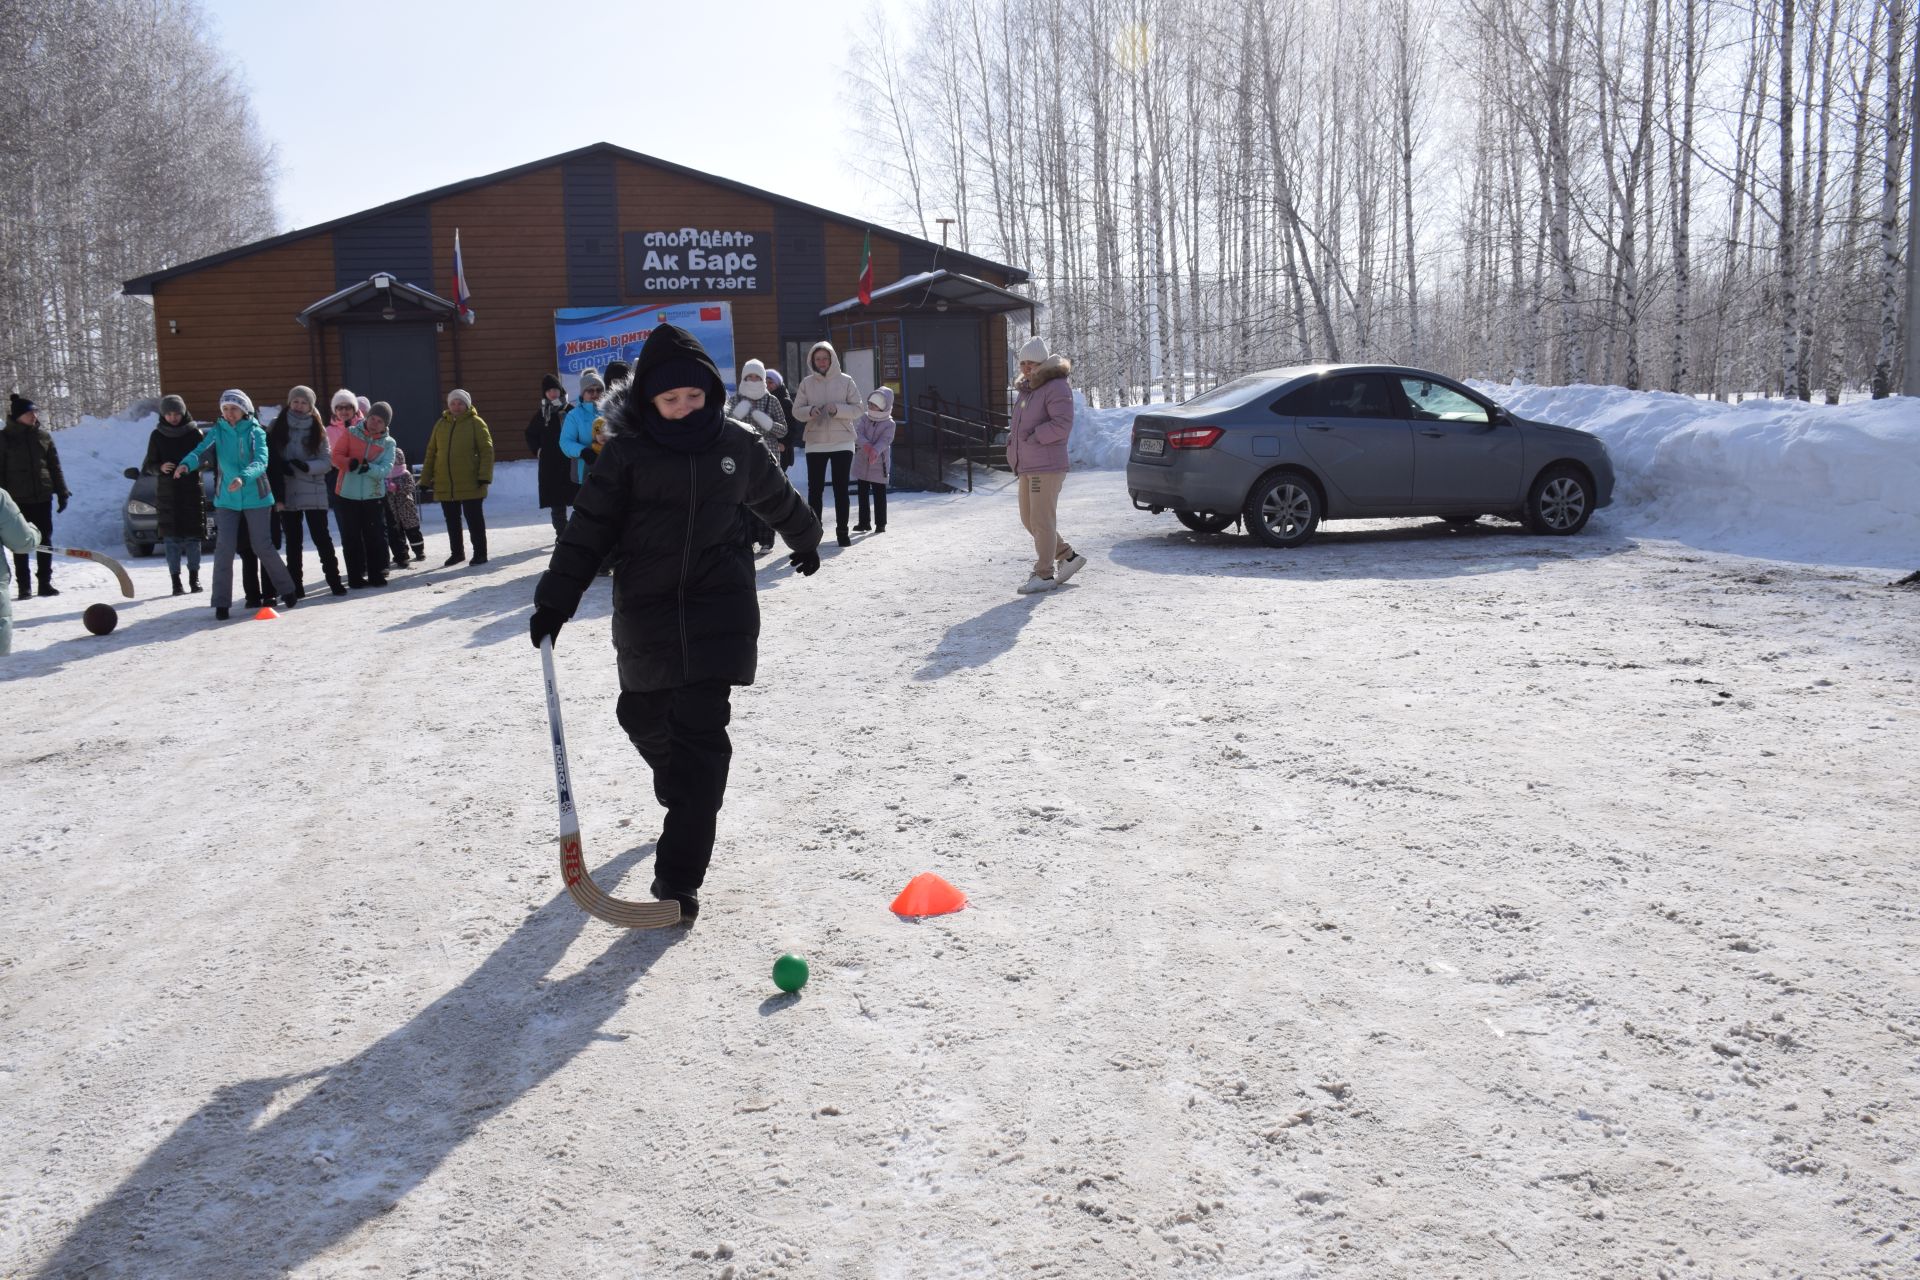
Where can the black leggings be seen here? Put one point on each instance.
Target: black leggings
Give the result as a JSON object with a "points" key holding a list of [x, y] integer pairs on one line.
{"points": [[841, 460], [877, 488], [682, 735], [316, 523], [476, 524], [40, 516], [363, 539]]}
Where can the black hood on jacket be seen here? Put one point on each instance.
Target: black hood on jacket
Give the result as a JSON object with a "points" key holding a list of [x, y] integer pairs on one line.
{"points": [[629, 410]]}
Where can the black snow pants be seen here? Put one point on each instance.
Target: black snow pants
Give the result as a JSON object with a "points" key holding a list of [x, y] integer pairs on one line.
{"points": [[682, 735]]}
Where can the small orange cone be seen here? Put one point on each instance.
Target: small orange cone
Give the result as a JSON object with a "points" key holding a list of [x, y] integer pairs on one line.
{"points": [[266, 613], [928, 895]]}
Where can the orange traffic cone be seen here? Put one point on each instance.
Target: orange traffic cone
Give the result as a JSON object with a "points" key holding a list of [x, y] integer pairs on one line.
{"points": [[928, 895], [266, 612]]}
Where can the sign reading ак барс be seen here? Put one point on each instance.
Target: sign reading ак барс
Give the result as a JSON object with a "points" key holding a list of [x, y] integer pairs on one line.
{"points": [[709, 261]]}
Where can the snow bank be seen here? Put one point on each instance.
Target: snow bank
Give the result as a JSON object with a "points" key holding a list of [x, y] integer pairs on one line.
{"points": [[1772, 478], [95, 452]]}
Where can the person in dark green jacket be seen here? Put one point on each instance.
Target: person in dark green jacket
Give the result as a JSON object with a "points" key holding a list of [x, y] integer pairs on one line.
{"points": [[245, 496], [458, 469], [30, 473]]}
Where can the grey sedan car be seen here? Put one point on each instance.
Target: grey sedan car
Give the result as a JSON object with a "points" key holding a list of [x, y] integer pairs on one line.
{"points": [[1285, 449]]}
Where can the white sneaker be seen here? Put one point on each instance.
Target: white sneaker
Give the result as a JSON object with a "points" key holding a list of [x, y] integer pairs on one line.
{"points": [[1036, 584], [1067, 568]]}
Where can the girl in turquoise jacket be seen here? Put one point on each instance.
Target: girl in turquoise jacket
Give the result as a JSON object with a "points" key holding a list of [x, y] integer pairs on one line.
{"points": [[363, 457], [243, 498]]}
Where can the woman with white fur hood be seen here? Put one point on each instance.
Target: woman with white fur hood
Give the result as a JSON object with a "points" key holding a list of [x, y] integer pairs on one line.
{"points": [[828, 405], [754, 404]]}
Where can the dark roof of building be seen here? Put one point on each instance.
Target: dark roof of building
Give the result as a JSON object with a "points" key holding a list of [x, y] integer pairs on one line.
{"points": [[144, 284], [939, 288]]}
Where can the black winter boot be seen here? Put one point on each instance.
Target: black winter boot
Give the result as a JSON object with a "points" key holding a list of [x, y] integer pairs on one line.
{"points": [[688, 899], [193, 582], [177, 588], [221, 614], [47, 588]]}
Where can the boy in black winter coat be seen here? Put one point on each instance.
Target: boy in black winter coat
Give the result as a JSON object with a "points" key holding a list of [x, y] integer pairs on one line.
{"points": [[666, 494]]}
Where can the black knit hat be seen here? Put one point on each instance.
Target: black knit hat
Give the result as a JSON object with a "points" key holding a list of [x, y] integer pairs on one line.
{"points": [[550, 383], [678, 371], [617, 372], [19, 404]]}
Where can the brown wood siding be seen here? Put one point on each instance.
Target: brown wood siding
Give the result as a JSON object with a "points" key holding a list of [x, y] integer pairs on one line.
{"points": [[513, 241], [843, 261], [237, 326], [654, 200]]}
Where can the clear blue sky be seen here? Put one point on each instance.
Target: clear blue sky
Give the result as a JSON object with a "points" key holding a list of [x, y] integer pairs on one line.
{"points": [[371, 100]]}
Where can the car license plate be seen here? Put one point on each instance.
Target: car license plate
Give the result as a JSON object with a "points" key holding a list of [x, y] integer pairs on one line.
{"points": [[1152, 446]]}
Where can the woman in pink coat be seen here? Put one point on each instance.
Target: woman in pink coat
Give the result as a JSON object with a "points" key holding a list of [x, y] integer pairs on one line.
{"points": [[1042, 420], [873, 457]]}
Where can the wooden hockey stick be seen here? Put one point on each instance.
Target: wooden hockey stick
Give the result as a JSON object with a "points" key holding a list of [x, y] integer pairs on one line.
{"points": [[108, 563], [573, 867]]}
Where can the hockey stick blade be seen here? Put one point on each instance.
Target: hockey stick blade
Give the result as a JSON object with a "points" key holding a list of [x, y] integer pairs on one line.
{"points": [[573, 864], [108, 563]]}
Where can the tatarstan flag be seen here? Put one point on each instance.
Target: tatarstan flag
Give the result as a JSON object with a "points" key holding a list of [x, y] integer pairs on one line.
{"points": [[866, 270]]}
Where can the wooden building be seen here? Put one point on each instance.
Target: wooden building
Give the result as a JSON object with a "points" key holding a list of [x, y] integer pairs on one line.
{"points": [[363, 301]]}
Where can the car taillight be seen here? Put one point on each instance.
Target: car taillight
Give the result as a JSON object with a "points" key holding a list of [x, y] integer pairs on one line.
{"points": [[1193, 437]]}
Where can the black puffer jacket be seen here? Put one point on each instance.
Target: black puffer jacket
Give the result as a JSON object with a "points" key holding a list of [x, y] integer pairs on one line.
{"points": [[684, 603], [30, 464], [543, 441], [180, 503]]}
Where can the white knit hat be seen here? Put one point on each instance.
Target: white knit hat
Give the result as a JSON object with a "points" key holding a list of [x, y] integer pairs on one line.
{"points": [[753, 371], [1034, 350], [458, 394], [343, 397], [239, 397]]}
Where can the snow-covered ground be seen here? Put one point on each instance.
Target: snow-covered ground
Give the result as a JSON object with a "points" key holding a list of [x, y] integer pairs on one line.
{"points": [[1417, 903]]}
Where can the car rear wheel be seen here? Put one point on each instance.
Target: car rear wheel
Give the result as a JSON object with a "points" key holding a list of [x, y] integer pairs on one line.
{"points": [[1204, 521], [1560, 502], [1283, 510]]}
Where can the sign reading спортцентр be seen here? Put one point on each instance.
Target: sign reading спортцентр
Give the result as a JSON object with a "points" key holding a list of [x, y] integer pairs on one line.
{"points": [[712, 262]]}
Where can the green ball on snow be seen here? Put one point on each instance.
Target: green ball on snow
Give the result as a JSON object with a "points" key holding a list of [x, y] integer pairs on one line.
{"points": [[789, 972]]}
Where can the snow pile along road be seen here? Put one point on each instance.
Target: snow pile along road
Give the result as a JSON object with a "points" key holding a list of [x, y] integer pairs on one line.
{"points": [[1775, 478]]}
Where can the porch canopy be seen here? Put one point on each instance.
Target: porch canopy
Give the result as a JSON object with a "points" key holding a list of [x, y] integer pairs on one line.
{"points": [[381, 296], [941, 290]]}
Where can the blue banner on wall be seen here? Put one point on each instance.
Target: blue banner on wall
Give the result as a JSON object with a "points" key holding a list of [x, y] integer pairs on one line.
{"points": [[588, 337]]}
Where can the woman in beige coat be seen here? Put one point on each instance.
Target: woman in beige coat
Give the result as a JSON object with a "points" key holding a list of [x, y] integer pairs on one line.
{"points": [[827, 406]]}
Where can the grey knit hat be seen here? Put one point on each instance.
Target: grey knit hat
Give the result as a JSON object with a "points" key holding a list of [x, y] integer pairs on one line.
{"points": [[303, 393], [172, 404], [591, 378], [382, 410]]}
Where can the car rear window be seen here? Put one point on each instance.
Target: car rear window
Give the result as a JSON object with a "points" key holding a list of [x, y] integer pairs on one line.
{"points": [[1347, 395], [1229, 394]]}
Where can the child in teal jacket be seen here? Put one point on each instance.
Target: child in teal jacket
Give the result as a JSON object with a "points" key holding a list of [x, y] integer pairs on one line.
{"points": [[243, 497]]}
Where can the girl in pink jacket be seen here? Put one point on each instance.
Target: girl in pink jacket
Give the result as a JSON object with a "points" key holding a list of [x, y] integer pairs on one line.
{"points": [[873, 457], [1042, 420]]}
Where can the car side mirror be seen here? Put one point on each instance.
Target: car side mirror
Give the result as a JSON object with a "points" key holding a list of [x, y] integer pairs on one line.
{"points": [[1501, 418], [131, 473]]}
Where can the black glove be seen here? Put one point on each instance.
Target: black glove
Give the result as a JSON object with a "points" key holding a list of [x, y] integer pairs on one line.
{"points": [[63, 501], [805, 563], [545, 624], [299, 464], [361, 465]]}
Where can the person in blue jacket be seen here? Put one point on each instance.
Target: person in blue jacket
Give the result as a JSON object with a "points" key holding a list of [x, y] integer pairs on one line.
{"points": [[362, 459], [576, 430], [244, 497]]}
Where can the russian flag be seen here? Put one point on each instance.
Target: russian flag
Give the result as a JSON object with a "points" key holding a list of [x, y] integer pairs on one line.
{"points": [[460, 294]]}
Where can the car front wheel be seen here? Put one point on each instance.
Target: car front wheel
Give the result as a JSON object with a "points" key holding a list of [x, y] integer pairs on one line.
{"points": [[1283, 510], [1561, 501], [1204, 521]]}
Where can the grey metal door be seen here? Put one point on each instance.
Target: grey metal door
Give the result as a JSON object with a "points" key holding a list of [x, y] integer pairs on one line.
{"points": [[398, 363], [1352, 429], [1460, 454], [950, 350]]}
